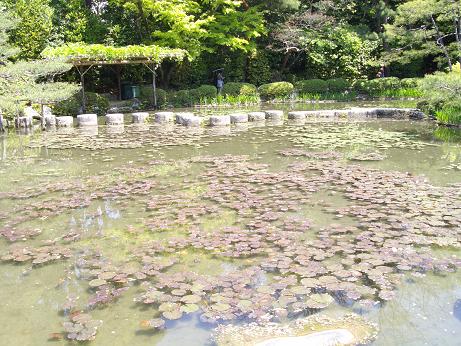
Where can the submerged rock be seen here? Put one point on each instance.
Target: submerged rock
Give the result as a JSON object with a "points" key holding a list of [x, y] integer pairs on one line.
{"points": [[315, 330], [326, 338]]}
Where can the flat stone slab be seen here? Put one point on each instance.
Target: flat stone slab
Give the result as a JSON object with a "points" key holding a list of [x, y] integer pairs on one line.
{"points": [[66, 121], [274, 115], [23, 122], [220, 120], [192, 121], [256, 116], [50, 120], [139, 117], [115, 119], [164, 117], [181, 117], [238, 118], [87, 120], [299, 115]]}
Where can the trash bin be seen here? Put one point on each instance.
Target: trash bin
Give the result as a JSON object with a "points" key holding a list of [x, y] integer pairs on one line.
{"points": [[130, 91]]}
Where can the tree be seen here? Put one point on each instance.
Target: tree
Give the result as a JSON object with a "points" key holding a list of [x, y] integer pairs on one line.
{"points": [[423, 28], [325, 46], [25, 81], [34, 26]]}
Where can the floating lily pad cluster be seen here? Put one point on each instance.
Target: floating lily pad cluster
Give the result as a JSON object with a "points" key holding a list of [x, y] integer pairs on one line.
{"points": [[252, 217], [82, 327]]}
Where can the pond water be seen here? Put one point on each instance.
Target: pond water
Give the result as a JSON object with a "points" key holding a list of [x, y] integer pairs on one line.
{"points": [[137, 226]]}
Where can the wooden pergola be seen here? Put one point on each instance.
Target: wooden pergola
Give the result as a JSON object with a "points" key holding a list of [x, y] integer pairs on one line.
{"points": [[84, 57], [83, 67]]}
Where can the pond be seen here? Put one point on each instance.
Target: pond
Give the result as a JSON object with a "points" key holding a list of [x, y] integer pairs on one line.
{"points": [[154, 235]]}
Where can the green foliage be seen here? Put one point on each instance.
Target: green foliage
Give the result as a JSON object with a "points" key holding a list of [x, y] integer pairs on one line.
{"points": [[203, 92], [422, 29], [449, 115], [442, 95], [34, 27], [95, 103], [80, 52], [239, 89], [197, 26], [336, 96], [228, 100], [277, 90], [338, 85], [259, 69], [375, 87], [312, 86], [24, 81], [147, 96], [409, 82], [181, 98]]}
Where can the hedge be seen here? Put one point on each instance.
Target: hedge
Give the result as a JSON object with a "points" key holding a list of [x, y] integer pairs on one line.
{"points": [[312, 86], [240, 89], [278, 90]]}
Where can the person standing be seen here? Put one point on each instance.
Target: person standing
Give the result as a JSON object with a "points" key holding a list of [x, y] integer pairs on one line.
{"points": [[219, 83]]}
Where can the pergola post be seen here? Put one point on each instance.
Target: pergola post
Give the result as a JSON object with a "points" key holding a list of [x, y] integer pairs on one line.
{"points": [[154, 84], [82, 83]]}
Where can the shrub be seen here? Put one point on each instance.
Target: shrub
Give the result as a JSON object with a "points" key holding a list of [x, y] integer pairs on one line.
{"points": [[442, 95], [278, 90], [378, 86], [240, 89], [203, 92], [338, 85], [360, 85], [409, 83], [312, 86], [146, 96], [95, 103], [180, 98]]}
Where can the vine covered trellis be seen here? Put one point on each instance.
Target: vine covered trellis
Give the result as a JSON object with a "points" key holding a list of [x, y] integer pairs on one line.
{"points": [[85, 56]]}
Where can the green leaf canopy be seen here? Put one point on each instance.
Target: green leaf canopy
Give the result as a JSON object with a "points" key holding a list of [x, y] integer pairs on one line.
{"points": [[80, 53]]}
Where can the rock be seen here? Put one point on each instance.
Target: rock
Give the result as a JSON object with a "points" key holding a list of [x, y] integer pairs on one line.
{"points": [[181, 117], [220, 120], [24, 122], [192, 121], [163, 117], [325, 338], [87, 120], [256, 116], [64, 121], [115, 119], [274, 115], [238, 118], [50, 120], [300, 115], [140, 117]]}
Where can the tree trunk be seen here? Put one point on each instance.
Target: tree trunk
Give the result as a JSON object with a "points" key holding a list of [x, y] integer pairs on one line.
{"points": [[2, 127], [441, 44]]}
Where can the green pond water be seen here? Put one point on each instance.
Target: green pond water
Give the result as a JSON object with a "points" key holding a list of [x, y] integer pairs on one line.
{"points": [[223, 225]]}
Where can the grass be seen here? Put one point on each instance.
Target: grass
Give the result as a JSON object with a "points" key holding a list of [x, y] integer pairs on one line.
{"points": [[336, 96], [221, 100], [449, 116], [399, 93]]}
